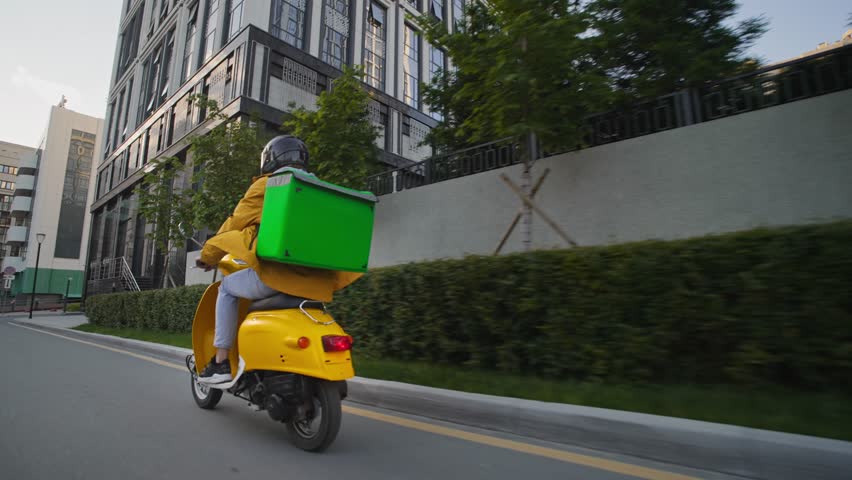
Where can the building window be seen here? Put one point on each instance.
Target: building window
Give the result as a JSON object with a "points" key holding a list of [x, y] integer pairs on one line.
{"points": [[210, 28], [126, 121], [415, 4], [334, 52], [167, 65], [153, 74], [375, 46], [143, 94], [152, 21], [129, 43], [458, 14], [437, 64], [436, 8], [110, 119], [4, 185], [9, 169], [236, 18], [188, 65], [406, 125], [164, 9], [117, 123], [411, 67], [156, 77], [336, 41], [288, 21]]}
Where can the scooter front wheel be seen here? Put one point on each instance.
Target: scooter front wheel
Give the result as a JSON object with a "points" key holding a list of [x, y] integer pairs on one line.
{"points": [[319, 428], [205, 397]]}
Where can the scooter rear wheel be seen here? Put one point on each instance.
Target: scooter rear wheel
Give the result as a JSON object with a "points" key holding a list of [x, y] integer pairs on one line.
{"points": [[205, 397], [316, 433]]}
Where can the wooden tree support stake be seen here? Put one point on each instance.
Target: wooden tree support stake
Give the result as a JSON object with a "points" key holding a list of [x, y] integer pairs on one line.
{"points": [[520, 213], [524, 198]]}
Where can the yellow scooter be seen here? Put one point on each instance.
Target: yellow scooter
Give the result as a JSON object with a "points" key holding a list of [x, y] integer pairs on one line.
{"points": [[290, 358]]}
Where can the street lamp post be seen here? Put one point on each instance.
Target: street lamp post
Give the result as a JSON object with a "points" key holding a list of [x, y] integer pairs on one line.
{"points": [[39, 238]]}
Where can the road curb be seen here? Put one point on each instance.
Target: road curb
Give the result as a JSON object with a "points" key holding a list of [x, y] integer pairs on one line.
{"points": [[168, 351], [727, 449]]}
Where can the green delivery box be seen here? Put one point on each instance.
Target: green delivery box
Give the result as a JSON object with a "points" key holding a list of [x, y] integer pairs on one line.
{"points": [[312, 223]]}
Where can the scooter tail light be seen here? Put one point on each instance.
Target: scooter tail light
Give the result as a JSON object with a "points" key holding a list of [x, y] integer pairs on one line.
{"points": [[336, 343]]}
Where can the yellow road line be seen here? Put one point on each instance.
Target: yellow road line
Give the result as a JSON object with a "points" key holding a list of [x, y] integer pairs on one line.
{"points": [[111, 349], [561, 455], [576, 458]]}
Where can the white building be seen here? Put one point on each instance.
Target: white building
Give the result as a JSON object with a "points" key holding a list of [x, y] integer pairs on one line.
{"points": [[11, 157], [52, 189], [251, 56]]}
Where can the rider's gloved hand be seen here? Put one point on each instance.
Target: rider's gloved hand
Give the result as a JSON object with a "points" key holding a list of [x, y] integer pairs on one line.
{"points": [[201, 264]]}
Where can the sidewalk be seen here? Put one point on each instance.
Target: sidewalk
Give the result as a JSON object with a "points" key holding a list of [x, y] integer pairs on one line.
{"points": [[48, 319], [732, 450]]}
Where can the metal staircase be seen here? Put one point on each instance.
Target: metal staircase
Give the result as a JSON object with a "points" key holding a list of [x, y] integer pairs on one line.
{"points": [[112, 275]]}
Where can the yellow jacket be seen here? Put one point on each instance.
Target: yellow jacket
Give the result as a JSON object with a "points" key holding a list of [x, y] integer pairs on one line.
{"points": [[237, 237]]}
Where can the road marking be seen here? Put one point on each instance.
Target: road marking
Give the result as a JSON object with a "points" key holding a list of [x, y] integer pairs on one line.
{"points": [[552, 453], [576, 458], [111, 349]]}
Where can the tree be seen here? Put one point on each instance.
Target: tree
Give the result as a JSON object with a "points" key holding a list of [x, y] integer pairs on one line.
{"points": [[540, 66], [649, 49], [224, 161], [163, 204], [522, 66], [339, 134], [178, 197]]}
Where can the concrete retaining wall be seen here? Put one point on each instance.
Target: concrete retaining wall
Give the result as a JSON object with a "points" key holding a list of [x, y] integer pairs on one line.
{"points": [[790, 164]]}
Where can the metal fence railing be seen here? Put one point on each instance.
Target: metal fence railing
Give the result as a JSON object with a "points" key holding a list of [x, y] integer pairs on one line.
{"points": [[773, 85], [799, 79], [480, 158], [787, 82]]}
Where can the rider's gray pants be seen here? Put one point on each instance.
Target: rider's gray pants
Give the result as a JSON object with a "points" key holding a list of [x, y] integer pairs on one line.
{"points": [[242, 284]]}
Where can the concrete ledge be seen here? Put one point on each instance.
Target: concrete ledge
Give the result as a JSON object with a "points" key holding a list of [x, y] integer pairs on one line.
{"points": [[727, 449]]}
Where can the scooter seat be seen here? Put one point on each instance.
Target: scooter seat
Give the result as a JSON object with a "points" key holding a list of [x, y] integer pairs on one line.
{"points": [[282, 301]]}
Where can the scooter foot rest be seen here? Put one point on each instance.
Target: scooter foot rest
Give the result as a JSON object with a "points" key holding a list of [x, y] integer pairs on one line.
{"points": [[225, 386]]}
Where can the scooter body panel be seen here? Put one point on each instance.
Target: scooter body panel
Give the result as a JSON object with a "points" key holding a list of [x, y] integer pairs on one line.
{"points": [[204, 327], [269, 340]]}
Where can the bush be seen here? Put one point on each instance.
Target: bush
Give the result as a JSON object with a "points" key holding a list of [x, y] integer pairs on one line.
{"points": [[169, 310], [768, 306]]}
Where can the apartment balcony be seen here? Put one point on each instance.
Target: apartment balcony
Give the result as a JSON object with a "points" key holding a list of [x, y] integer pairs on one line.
{"points": [[28, 161], [24, 182], [21, 206], [17, 234]]}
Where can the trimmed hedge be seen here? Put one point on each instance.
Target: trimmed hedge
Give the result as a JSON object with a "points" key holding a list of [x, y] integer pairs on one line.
{"points": [[170, 309], [768, 306]]}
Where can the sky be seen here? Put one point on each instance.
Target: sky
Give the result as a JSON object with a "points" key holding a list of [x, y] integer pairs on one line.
{"points": [[53, 47]]}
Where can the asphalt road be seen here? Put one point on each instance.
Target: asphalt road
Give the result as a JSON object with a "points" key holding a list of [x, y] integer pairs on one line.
{"points": [[71, 410]]}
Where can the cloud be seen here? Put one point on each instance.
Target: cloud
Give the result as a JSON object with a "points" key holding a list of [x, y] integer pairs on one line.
{"points": [[48, 91]]}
